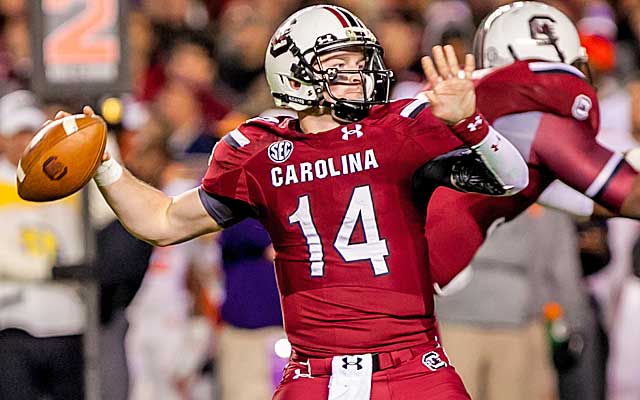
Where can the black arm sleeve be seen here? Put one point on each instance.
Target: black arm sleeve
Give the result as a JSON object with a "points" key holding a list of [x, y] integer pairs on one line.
{"points": [[225, 211], [461, 170]]}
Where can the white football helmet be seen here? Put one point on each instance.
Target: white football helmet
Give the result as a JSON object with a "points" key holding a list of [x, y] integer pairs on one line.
{"points": [[527, 30], [298, 80]]}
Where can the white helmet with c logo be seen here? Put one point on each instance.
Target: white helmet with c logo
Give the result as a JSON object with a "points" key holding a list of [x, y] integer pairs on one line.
{"points": [[527, 30]]}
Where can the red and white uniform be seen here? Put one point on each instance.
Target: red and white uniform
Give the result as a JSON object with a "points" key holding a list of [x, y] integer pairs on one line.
{"points": [[550, 113], [351, 260]]}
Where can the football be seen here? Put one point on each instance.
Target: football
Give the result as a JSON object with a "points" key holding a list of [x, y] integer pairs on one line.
{"points": [[61, 158]]}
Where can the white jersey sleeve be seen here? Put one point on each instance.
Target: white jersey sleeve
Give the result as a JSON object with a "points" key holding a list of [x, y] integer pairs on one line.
{"points": [[563, 197]]}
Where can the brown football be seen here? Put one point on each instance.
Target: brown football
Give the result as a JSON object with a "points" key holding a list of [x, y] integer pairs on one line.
{"points": [[61, 158]]}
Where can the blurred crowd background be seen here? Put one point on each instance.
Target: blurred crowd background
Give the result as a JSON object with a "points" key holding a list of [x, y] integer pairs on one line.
{"points": [[551, 311]]}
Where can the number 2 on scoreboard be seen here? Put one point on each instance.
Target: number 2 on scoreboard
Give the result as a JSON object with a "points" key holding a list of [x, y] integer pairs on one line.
{"points": [[84, 37]]}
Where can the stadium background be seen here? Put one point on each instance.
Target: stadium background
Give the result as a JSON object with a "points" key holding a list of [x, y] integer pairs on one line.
{"points": [[171, 77]]}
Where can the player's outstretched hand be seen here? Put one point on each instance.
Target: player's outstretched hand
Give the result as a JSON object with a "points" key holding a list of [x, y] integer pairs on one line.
{"points": [[86, 110], [452, 93]]}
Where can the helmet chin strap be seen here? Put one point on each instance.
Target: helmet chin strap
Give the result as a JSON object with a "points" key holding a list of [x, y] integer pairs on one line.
{"points": [[344, 111]]}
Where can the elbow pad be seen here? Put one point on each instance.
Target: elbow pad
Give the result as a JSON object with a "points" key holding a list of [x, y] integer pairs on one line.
{"points": [[562, 197], [503, 161]]}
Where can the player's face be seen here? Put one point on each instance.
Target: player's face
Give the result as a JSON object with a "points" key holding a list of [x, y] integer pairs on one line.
{"points": [[345, 85]]}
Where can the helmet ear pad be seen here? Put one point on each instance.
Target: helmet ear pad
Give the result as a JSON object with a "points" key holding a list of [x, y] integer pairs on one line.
{"points": [[295, 85]]}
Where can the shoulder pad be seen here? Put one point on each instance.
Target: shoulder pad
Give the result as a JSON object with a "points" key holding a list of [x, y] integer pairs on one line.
{"points": [[555, 68], [266, 121], [257, 130], [270, 124], [408, 108], [524, 86], [240, 144]]}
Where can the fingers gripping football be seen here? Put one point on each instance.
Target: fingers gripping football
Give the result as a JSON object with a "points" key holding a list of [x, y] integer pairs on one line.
{"points": [[87, 111], [62, 157], [452, 94]]}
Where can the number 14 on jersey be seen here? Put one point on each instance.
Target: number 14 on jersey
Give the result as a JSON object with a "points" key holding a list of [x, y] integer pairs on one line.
{"points": [[374, 249]]}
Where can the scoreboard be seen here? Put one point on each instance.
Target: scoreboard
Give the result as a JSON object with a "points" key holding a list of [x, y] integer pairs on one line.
{"points": [[78, 47]]}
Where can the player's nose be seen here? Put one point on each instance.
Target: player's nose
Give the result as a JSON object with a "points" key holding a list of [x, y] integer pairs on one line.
{"points": [[355, 78]]}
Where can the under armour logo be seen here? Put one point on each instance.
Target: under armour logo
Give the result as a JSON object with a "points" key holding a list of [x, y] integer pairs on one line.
{"points": [[324, 39], [473, 126], [357, 130], [494, 146], [348, 363]]}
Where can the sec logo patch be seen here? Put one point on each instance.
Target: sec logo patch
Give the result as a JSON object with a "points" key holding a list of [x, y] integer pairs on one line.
{"points": [[280, 151]]}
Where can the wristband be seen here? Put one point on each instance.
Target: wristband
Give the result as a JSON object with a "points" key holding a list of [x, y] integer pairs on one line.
{"points": [[472, 130], [108, 172]]}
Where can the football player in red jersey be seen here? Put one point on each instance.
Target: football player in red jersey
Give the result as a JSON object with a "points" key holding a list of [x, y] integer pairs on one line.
{"points": [[531, 88], [333, 189]]}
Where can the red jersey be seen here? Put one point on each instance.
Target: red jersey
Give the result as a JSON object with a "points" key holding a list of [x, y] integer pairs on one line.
{"points": [[351, 260], [551, 114]]}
